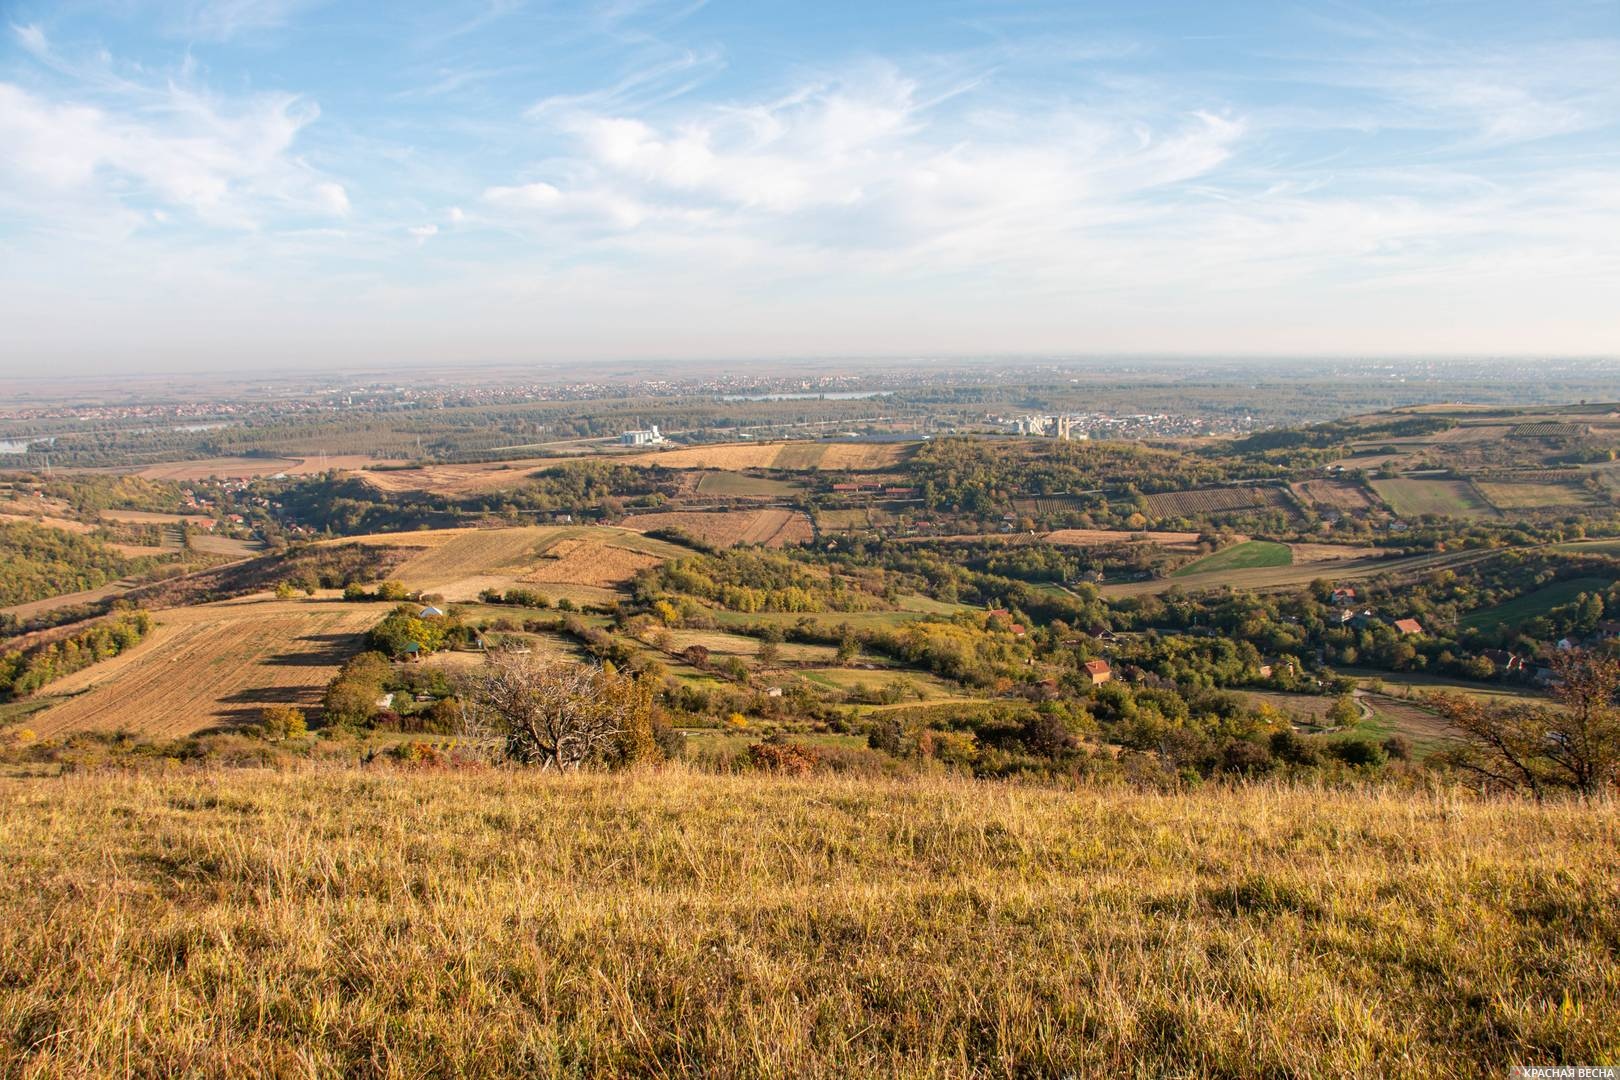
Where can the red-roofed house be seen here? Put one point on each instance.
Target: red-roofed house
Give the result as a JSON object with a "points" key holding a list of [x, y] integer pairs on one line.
{"points": [[1409, 626], [1099, 671]]}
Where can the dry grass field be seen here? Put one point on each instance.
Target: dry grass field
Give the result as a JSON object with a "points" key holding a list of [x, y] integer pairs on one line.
{"points": [[1343, 495], [1532, 496], [773, 528], [791, 456], [374, 924], [211, 666], [1099, 537], [241, 468], [589, 561], [456, 479], [460, 563]]}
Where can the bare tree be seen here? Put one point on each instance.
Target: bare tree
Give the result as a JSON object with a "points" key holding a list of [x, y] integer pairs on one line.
{"points": [[562, 715], [1532, 748]]}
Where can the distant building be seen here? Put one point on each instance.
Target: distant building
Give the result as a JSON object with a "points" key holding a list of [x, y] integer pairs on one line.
{"points": [[644, 437], [1099, 671], [1409, 626], [1504, 660]]}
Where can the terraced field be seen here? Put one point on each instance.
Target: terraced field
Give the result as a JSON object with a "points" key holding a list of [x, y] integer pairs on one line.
{"points": [[214, 665]]}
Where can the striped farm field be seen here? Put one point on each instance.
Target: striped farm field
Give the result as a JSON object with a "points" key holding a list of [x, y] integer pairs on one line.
{"points": [[1175, 504], [212, 666]]}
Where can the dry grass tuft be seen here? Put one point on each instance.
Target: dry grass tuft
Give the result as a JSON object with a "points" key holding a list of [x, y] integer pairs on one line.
{"points": [[484, 924]]}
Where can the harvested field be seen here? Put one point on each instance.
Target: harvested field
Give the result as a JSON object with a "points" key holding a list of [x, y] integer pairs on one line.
{"points": [[1472, 433], [225, 545], [773, 528], [460, 563], [788, 456], [1343, 495], [1305, 554], [213, 665], [459, 479], [246, 468], [1414, 497], [1175, 504], [589, 561]]}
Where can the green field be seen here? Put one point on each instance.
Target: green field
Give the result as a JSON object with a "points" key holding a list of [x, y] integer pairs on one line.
{"points": [[1414, 498], [1592, 547], [736, 484], [1533, 496], [1244, 556], [1524, 608]]}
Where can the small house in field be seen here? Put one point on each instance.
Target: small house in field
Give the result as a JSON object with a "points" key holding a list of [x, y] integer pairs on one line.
{"points": [[1409, 626], [1099, 671], [430, 612]]}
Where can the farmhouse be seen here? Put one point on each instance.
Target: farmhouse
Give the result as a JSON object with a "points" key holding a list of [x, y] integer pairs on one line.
{"points": [[1099, 671], [1409, 626]]}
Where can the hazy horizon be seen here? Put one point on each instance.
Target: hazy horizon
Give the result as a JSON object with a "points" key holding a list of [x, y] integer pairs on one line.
{"points": [[224, 185]]}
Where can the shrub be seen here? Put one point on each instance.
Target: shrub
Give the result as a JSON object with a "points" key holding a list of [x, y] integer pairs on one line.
{"points": [[282, 722]]}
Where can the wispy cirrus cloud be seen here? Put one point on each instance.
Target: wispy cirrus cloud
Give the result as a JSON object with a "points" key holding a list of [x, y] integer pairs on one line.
{"points": [[125, 149]]}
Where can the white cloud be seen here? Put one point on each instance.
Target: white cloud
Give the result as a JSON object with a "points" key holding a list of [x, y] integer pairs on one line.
{"points": [[32, 39], [423, 232], [228, 163], [222, 20]]}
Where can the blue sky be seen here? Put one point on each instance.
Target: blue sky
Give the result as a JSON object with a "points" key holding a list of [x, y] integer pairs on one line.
{"points": [[228, 183]]}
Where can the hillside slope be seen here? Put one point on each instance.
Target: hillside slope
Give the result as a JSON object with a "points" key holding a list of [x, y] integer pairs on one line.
{"points": [[488, 924]]}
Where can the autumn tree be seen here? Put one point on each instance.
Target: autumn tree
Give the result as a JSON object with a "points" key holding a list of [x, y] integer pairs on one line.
{"points": [[1531, 748], [566, 716]]}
